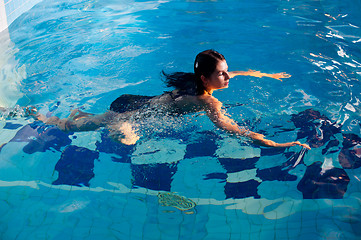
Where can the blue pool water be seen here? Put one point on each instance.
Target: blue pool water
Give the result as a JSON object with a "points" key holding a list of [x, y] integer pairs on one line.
{"points": [[84, 54]]}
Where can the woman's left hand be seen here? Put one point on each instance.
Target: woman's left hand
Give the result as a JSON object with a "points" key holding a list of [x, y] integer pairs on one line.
{"points": [[278, 76]]}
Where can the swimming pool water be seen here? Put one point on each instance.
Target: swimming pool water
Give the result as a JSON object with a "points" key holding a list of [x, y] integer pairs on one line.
{"points": [[84, 54]]}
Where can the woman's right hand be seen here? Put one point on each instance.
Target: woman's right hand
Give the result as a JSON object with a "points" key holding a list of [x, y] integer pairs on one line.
{"points": [[304, 145], [290, 144]]}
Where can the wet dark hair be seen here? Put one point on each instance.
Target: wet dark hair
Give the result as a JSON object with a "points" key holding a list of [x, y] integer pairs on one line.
{"points": [[204, 64]]}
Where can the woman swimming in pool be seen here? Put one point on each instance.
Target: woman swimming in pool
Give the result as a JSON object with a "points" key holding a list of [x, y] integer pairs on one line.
{"points": [[193, 93]]}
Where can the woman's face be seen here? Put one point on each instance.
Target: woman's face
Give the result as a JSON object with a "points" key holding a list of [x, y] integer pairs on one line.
{"points": [[219, 79]]}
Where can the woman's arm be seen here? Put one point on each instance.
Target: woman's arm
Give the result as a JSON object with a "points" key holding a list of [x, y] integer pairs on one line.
{"points": [[215, 114], [260, 140], [258, 74]]}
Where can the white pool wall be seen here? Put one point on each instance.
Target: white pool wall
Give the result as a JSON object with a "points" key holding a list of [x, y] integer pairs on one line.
{"points": [[12, 9], [11, 74]]}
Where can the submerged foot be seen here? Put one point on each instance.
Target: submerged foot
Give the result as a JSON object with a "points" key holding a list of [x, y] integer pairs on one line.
{"points": [[30, 111], [18, 111]]}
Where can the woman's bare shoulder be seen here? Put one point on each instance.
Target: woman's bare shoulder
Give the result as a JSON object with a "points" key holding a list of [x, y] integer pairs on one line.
{"points": [[210, 102]]}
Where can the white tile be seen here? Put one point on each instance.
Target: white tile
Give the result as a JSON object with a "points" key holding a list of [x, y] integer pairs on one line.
{"points": [[159, 151], [3, 19]]}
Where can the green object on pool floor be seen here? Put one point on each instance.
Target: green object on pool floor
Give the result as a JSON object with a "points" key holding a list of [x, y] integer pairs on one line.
{"points": [[173, 200]]}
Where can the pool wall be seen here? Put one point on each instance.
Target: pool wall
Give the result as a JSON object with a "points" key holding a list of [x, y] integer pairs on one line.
{"points": [[11, 73], [11, 9]]}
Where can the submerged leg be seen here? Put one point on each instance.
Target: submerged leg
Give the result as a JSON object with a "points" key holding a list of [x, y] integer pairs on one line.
{"points": [[76, 114], [121, 131], [78, 121]]}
